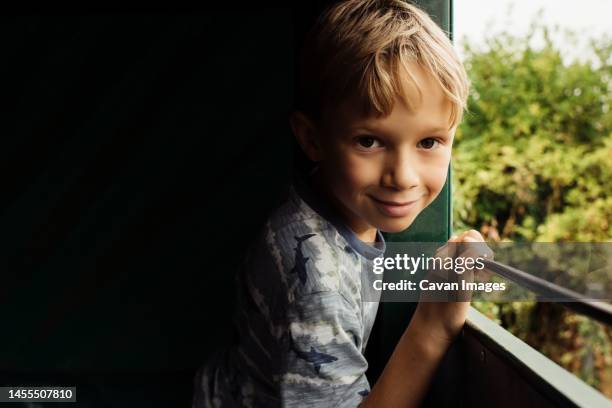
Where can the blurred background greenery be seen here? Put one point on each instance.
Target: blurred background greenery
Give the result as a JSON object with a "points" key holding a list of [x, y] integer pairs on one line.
{"points": [[533, 162]]}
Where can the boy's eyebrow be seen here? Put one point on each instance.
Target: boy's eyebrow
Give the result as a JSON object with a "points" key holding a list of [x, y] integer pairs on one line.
{"points": [[365, 128], [438, 129]]}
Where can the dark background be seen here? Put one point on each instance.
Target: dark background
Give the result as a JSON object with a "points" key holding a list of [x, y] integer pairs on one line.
{"points": [[141, 150]]}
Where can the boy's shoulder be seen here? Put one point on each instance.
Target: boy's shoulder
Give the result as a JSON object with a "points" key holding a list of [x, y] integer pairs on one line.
{"points": [[296, 218], [308, 253]]}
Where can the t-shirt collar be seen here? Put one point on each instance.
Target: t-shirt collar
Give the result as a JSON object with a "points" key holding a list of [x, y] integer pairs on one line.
{"points": [[305, 191]]}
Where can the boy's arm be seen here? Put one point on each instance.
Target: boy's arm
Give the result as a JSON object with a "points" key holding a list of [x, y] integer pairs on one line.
{"points": [[406, 377]]}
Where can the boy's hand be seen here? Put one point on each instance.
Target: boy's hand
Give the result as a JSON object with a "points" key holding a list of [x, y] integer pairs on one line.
{"points": [[443, 320]]}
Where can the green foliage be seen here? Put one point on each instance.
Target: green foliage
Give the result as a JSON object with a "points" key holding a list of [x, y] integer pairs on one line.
{"points": [[532, 156], [533, 162]]}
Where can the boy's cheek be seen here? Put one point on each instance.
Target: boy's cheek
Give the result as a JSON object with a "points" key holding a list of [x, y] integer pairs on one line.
{"points": [[435, 178], [437, 185], [440, 177], [439, 170], [353, 171]]}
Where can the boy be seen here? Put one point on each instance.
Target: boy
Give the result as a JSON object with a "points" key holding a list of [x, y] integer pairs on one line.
{"points": [[381, 95]]}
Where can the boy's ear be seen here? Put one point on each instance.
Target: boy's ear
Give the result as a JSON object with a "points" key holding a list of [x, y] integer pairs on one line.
{"points": [[307, 135]]}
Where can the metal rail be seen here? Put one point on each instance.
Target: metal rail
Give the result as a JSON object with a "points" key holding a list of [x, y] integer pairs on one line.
{"points": [[598, 310]]}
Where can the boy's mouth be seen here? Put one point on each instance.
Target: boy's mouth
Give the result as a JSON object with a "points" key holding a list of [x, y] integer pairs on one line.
{"points": [[395, 208]]}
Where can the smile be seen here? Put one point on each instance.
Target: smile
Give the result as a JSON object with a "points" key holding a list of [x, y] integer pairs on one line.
{"points": [[395, 208]]}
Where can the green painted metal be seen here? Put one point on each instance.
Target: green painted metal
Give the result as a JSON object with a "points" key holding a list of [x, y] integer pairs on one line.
{"points": [[434, 224], [496, 362]]}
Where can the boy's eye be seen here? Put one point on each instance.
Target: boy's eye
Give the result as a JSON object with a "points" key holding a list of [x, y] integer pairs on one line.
{"points": [[429, 143], [368, 142]]}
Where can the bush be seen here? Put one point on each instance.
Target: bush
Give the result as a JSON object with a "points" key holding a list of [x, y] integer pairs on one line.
{"points": [[533, 162]]}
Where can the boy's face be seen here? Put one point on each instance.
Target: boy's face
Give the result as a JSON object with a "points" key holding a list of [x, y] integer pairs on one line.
{"points": [[382, 172]]}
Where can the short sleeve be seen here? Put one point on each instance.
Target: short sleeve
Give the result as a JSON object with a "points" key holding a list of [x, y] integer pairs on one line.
{"points": [[324, 365]]}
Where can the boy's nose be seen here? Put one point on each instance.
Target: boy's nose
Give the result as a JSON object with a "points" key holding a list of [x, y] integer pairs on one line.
{"points": [[402, 173]]}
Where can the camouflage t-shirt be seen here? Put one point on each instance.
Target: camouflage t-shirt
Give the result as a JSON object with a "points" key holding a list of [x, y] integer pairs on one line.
{"points": [[302, 326]]}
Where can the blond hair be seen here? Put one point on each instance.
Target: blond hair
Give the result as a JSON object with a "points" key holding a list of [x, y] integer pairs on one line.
{"points": [[357, 49]]}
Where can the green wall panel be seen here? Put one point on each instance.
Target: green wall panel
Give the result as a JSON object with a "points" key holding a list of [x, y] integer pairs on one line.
{"points": [[434, 224]]}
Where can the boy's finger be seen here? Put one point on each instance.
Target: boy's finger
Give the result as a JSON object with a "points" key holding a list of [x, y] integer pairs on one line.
{"points": [[448, 250], [476, 248], [473, 234]]}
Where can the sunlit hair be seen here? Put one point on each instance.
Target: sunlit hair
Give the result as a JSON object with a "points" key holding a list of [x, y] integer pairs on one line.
{"points": [[362, 48]]}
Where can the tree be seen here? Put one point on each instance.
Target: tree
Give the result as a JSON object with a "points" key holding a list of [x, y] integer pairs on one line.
{"points": [[533, 162]]}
